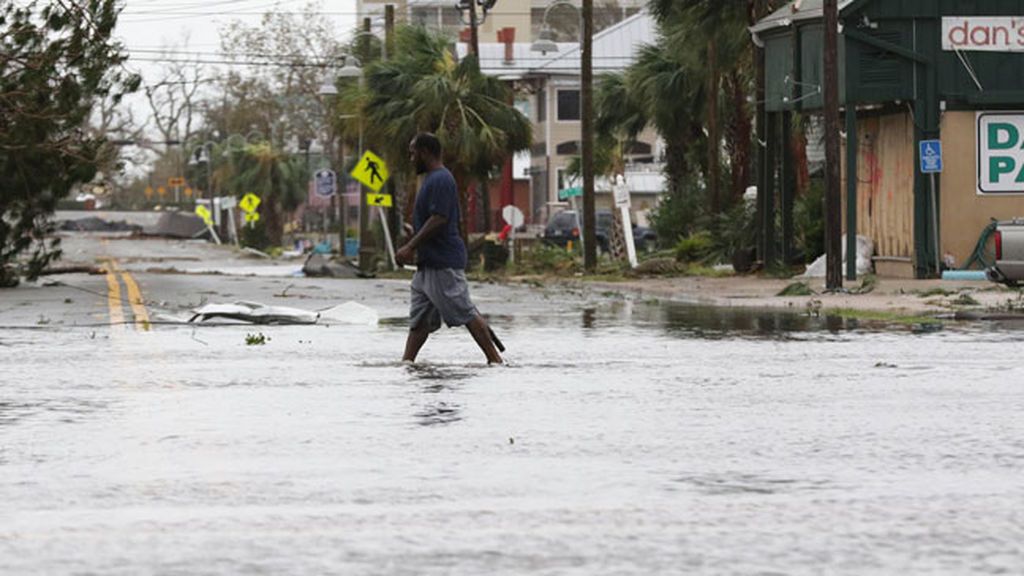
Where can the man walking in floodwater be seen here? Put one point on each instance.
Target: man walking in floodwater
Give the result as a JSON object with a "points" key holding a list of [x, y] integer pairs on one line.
{"points": [[439, 288]]}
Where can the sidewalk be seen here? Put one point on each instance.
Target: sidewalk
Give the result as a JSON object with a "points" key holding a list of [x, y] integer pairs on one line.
{"points": [[888, 295]]}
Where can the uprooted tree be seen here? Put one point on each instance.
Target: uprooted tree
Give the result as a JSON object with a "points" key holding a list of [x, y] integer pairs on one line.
{"points": [[57, 61]]}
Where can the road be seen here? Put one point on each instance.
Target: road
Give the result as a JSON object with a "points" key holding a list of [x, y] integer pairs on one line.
{"points": [[625, 436]]}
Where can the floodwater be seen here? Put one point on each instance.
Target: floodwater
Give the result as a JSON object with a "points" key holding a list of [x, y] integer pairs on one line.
{"points": [[623, 438]]}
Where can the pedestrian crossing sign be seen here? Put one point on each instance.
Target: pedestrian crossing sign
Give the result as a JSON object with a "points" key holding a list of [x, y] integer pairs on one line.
{"points": [[371, 171], [204, 213], [252, 217], [383, 200], [250, 202]]}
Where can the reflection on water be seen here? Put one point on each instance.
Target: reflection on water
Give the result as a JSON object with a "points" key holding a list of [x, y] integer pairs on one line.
{"points": [[436, 380]]}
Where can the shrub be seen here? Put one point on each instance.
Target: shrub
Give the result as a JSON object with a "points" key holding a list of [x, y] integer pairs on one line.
{"points": [[695, 248]]}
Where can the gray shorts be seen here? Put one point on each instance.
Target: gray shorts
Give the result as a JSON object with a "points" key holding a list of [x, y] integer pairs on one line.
{"points": [[440, 294]]}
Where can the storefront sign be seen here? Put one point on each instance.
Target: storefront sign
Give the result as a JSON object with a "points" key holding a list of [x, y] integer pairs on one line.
{"points": [[983, 33], [1000, 137]]}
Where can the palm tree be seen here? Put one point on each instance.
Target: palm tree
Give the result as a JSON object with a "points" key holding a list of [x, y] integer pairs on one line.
{"points": [[272, 174], [424, 88]]}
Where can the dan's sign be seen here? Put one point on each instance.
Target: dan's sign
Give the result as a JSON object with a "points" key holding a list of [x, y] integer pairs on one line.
{"points": [[1000, 138], [983, 33]]}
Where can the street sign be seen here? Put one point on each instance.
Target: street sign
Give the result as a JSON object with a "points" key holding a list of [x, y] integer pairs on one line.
{"points": [[161, 191], [567, 193], [176, 181], [325, 183], [252, 217], [250, 202], [149, 192], [371, 171], [621, 193], [204, 213], [513, 216], [188, 192], [931, 156], [383, 200]]}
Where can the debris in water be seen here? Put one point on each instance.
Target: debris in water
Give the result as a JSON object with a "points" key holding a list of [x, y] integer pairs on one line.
{"points": [[258, 339]]}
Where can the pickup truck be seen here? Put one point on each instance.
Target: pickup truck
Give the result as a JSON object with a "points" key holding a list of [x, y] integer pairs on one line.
{"points": [[1009, 249]]}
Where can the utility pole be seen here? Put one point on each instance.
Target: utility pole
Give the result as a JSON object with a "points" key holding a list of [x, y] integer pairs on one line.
{"points": [[474, 38], [389, 53], [367, 248], [587, 135], [833, 196]]}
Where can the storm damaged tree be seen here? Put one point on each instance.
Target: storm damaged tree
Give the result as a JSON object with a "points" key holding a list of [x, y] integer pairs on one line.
{"points": [[57, 61]]}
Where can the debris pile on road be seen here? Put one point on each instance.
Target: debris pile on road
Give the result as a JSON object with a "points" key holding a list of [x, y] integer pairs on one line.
{"points": [[94, 224], [318, 265], [351, 313], [177, 225]]}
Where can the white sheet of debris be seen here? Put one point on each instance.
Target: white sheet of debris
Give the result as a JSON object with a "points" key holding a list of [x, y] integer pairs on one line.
{"points": [[351, 313]]}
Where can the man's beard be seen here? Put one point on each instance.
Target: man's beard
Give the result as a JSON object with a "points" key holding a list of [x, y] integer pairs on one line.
{"points": [[421, 167]]}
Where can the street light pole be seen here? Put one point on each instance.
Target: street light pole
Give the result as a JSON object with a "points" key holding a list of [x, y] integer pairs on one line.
{"points": [[587, 136]]}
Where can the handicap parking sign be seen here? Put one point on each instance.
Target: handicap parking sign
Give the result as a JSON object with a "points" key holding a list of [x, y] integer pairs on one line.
{"points": [[931, 156]]}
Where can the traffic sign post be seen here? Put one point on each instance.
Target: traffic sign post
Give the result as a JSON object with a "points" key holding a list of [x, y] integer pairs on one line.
{"points": [[372, 171], [512, 216], [326, 183], [249, 203], [623, 202], [931, 164], [203, 212], [379, 200]]}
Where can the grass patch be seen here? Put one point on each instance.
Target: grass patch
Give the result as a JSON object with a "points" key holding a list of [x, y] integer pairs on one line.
{"points": [[935, 292], [880, 316], [796, 289], [706, 272]]}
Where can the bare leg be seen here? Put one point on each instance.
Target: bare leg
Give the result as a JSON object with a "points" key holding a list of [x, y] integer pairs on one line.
{"points": [[414, 342], [478, 328]]}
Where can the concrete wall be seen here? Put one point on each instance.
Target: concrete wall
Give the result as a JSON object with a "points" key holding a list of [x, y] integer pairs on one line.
{"points": [[964, 214]]}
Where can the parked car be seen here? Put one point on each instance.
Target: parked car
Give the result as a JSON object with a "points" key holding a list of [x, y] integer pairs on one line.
{"points": [[568, 225], [1009, 248], [561, 228], [643, 238]]}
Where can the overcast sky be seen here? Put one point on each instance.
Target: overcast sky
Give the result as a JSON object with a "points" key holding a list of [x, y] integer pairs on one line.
{"points": [[147, 26]]}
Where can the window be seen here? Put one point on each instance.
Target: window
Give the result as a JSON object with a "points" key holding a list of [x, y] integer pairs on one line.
{"points": [[568, 105], [542, 106], [570, 148]]}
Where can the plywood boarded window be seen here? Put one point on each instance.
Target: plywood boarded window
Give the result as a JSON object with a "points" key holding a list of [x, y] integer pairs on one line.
{"points": [[885, 183]]}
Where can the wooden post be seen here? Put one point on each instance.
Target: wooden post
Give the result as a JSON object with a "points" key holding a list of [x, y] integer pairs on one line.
{"points": [[587, 136], [833, 196]]}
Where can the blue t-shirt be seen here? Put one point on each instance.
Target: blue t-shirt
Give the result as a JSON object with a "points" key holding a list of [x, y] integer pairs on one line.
{"points": [[440, 195]]}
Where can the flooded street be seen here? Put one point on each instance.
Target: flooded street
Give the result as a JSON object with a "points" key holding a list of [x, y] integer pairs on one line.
{"points": [[625, 437]]}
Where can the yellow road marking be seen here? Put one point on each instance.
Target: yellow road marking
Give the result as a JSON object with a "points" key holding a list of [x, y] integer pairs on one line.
{"points": [[135, 299], [114, 297]]}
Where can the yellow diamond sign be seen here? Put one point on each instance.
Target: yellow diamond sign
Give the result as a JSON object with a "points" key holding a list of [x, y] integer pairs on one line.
{"points": [[371, 171], [250, 202], [383, 200], [204, 213]]}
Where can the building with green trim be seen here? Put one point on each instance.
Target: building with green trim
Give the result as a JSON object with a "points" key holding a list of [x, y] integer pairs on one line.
{"points": [[910, 71]]}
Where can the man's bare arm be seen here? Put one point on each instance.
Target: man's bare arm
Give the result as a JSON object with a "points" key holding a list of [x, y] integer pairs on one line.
{"points": [[433, 225]]}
